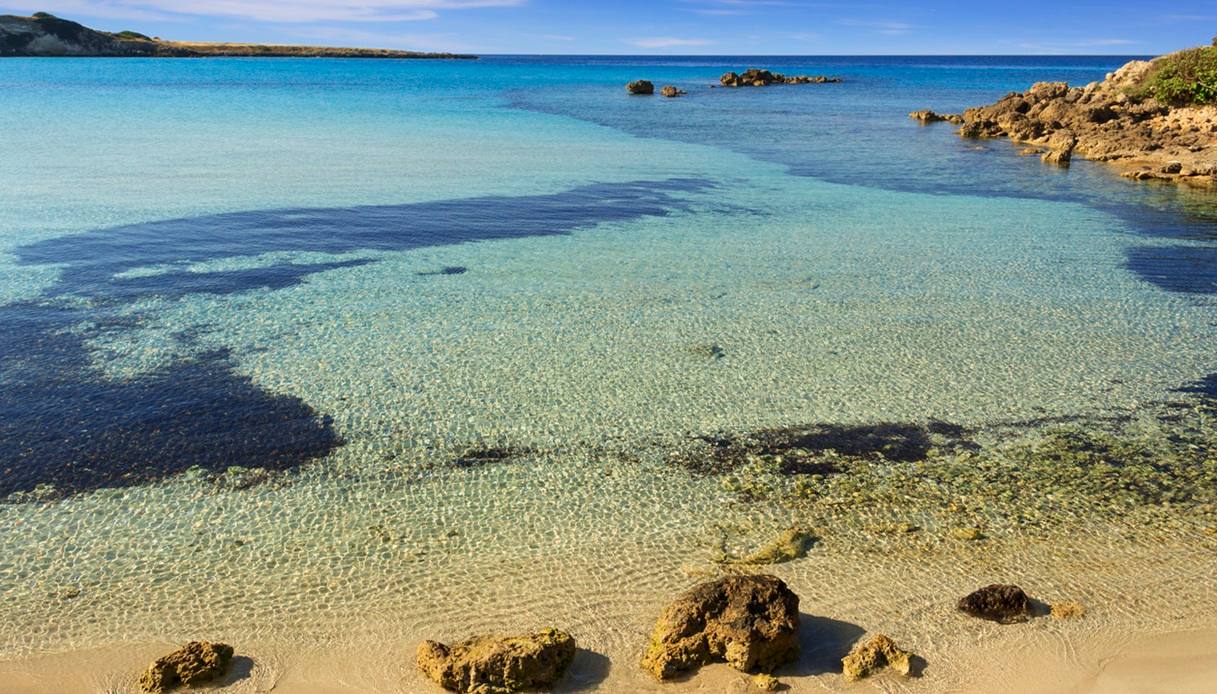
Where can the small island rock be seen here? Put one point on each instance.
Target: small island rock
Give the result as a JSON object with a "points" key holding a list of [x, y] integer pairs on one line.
{"points": [[1005, 604], [749, 622], [641, 88], [498, 664], [927, 116], [196, 663], [672, 92], [754, 77], [872, 656]]}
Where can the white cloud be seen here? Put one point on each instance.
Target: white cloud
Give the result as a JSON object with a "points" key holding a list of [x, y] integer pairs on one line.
{"points": [[667, 42], [883, 27], [264, 10]]}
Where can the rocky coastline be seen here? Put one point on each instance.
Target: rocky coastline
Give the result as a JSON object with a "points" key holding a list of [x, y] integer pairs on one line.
{"points": [[44, 36], [1111, 121]]}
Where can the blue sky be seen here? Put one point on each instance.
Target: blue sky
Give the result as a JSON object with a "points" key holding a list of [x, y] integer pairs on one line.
{"points": [[798, 27]]}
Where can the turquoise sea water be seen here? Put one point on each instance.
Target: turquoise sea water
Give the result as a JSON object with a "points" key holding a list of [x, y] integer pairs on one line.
{"points": [[357, 270]]}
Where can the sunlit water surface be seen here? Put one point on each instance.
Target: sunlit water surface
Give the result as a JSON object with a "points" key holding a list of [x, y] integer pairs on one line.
{"points": [[358, 272]]}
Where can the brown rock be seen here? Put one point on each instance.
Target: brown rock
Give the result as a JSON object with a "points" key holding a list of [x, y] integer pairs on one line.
{"points": [[498, 664], [672, 92], [754, 77], [1004, 604], [766, 683], [640, 88], [872, 656], [926, 116], [195, 663], [1068, 610], [750, 622], [1060, 148], [1102, 121]]}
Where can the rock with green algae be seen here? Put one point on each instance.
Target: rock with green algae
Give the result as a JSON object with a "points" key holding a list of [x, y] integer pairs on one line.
{"points": [[196, 663], [871, 656], [749, 622], [766, 683], [792, 544], [498, 664]]}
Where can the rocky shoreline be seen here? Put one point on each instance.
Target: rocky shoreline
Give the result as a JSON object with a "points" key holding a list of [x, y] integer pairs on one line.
{"points": [[44, 36], [1104, 121]]}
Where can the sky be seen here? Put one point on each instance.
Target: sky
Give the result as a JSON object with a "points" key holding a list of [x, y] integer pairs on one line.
{"points": [[674, 27]]}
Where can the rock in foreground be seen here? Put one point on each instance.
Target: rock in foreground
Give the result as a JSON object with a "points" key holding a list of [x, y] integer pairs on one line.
{"points": [[1004, 604], [198, 662], [641, 87], [872, 656], [749, 622], [763, 78], [498, 664]]}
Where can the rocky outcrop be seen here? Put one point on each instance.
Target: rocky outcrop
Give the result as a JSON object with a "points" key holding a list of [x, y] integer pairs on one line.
{"points": [[754, 77], [927, 116], [672, 92], [640, 87], [498, 664], [749, 622], [871, 656], [46, 35], [1004, 604], [1106, 121], [196, 663]]}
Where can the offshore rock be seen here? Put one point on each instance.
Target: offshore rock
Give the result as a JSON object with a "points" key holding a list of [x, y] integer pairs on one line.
{"points": [[640, 88], [1004, 604], [872, 656], [755, 77], [927, 116], [498, 664], [749, 622], [198, 662], [672, 92]]}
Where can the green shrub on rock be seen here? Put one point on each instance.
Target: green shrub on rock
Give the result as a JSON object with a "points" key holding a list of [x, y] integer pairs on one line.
{"points": [[1184, 78]]}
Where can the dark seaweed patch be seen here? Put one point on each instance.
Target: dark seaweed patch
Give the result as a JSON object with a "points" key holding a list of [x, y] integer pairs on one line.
{"points": [[450, 270], [478, 457], [803, 449], [66, 428]]}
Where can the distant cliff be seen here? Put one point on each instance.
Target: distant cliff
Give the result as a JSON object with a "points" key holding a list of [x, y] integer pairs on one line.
{"points": [[47, 35]]}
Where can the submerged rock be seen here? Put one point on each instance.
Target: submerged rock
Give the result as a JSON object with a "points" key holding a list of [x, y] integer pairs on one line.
{"points": [[792, 544], [872, 656], [198, 662], [498, 664], [1004, 604], [1068, 610], [672, 92], [749, 622], [640, 87]]}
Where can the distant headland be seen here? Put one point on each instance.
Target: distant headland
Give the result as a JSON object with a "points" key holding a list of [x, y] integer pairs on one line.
{"points": [[45, 35]]}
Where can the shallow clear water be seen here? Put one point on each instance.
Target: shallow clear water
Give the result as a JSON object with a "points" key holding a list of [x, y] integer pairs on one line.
{"points": [[358, 270]]}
